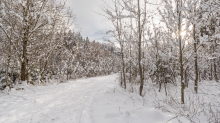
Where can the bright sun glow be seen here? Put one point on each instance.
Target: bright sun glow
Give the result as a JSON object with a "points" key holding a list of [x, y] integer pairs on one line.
{"points": [[183, 33]]}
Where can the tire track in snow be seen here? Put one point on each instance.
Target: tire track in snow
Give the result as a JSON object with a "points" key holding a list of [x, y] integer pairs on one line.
{"points": [[85, 116]]}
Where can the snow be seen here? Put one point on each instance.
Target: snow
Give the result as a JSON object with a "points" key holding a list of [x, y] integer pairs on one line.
{"points": [[114, 105], [66, 102], [92, 100], [203, 39], [170, 54]]}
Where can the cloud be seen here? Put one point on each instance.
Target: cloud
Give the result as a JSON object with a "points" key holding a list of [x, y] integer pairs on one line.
{"points": [[92, 24]]}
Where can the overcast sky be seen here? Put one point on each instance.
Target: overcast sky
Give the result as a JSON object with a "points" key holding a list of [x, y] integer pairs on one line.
{"points": [[92, 24]]}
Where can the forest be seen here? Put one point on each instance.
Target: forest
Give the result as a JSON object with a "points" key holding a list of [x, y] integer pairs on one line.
{"points": [[169, 47], [168, 42], [37, 45]]}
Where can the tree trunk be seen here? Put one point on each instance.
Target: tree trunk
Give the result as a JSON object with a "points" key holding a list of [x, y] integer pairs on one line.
{"points": [[123, 68], [157, 65], [7, 69], [123, 81], [179, 6], [25, 41], [210, 74], [215, 62], [196, 60], [139, 44], [12, 74], [186, 78], [130, 66], [215, 71]]}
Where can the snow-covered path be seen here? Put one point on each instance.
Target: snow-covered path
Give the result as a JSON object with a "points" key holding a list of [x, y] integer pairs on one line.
{"points": [[64, 103], [92, 100]]}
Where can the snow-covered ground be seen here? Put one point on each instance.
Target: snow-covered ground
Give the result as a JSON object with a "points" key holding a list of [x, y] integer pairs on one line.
{"points": [[64, 103], [92, 100]]}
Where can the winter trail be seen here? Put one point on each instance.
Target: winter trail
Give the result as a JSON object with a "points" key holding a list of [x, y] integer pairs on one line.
{"points": [[64, 103], [92, 100]]}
